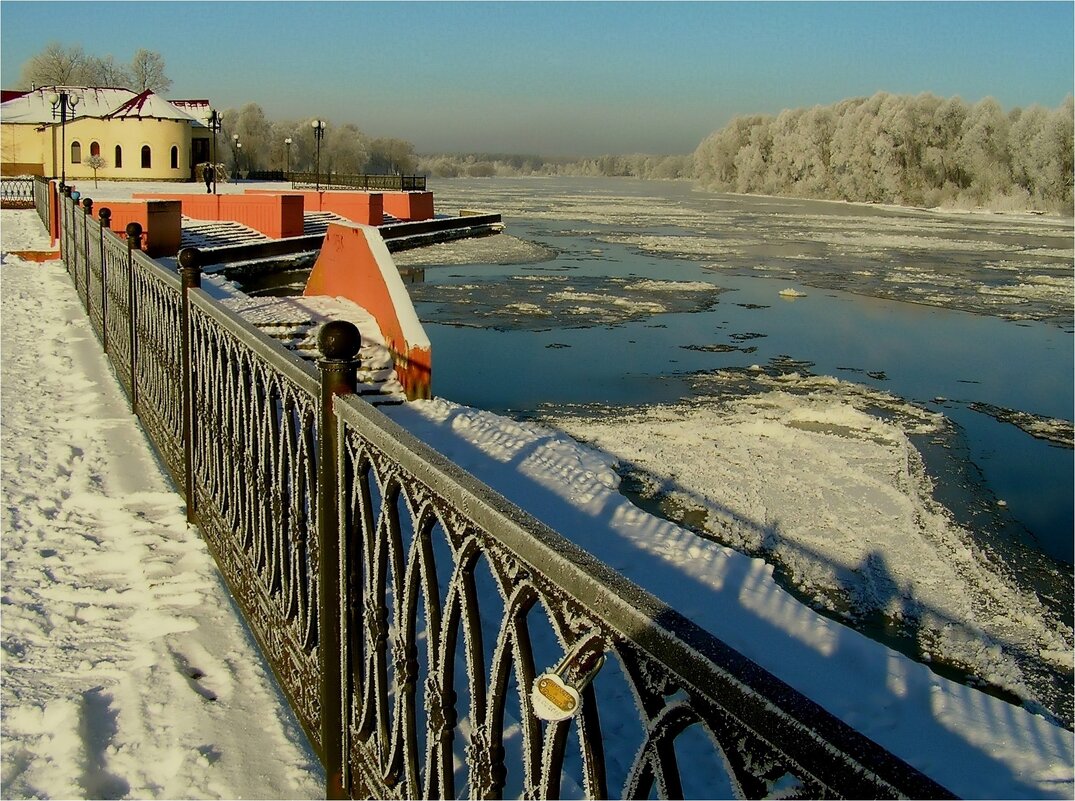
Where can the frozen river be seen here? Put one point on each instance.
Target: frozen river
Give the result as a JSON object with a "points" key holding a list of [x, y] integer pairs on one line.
{"points": [[649, 284]]}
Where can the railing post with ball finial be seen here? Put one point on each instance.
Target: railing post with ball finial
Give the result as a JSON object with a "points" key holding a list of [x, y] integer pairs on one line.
{"points": [[339, 342]]}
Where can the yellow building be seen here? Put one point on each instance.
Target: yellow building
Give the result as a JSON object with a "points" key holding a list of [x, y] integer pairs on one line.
{"points": [[138, 136]]}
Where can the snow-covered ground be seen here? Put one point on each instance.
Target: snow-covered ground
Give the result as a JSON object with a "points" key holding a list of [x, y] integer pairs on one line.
{"points": [[126, 672], [158, 683]]}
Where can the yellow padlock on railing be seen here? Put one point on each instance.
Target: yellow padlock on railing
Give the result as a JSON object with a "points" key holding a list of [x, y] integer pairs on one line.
{"points": [[552, 696]]}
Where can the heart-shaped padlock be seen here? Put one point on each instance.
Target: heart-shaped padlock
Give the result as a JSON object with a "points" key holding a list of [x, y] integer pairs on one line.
{"points": [[553, 699]]}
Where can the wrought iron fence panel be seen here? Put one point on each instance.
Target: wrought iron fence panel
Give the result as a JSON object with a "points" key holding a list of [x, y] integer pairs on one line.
{"points": [[41, 201], [389, 183], [158, 369], [255, 485], [17, 193], [117, 311], [459, 600], [75, 264], [67, 237], [91, 249], [78, 247]]}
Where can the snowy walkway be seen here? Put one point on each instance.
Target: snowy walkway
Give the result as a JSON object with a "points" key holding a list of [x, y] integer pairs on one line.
{"points": [[125, 670]]}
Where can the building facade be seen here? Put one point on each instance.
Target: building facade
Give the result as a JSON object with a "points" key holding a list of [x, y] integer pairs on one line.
{"points": [[135, 136]]}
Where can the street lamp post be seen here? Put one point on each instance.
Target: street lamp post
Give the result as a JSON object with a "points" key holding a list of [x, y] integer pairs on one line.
{"points": [[287, 172], [61, 103], [238, 159], [215, 124], [235, 154], [319, 134]]}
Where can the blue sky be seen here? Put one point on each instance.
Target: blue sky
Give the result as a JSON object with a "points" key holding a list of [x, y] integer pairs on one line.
{"points": [[565, 78]]}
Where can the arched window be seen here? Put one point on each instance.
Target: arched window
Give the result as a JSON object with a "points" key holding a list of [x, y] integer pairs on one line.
{"points": [[147, 157], [76, 153], [175, 157], [119, 156], [95, 149]]}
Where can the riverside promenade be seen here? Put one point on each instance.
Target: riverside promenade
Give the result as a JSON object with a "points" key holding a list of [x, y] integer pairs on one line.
{"points": [[575, 491], [126, 669]]}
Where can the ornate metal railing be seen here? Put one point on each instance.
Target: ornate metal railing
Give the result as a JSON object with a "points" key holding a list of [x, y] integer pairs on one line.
{"points": [[17, 193], [418, 622], [255, 488], [42, 192], [383, 183]]}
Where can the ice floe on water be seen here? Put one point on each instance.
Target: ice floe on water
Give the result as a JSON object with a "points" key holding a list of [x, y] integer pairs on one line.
{"points": [[497, 249], [1022, 263], [529, 302], [1038, 426]]}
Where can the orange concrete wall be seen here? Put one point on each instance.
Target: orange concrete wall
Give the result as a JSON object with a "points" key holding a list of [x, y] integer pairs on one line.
{"points": [[54, 211], [275, 215], [409, 205], [161, 221], [355, 264], [364, 208]]}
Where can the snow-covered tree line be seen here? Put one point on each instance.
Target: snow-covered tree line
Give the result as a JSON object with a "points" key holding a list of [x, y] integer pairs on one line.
{"points": [[913, 150], [345, 149], [484, 165], [60, 65]]}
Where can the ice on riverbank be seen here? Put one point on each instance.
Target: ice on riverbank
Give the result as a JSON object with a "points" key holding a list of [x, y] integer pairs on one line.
{"points": [[943, 728], [803, 471]]}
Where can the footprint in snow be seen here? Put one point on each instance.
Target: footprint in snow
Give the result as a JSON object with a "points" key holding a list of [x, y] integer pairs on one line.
{"points": [[193, 675]]}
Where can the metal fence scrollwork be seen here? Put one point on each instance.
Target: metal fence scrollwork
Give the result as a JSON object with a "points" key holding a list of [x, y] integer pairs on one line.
{"points": [[17, 193], [433, 639]]}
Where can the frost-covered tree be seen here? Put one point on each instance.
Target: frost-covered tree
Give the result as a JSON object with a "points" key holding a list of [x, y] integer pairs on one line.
{"points": [[60, 65], [391, 156], [1027, 150], [898, 148], [852, 152], [255, 134], [752, 160], [345, 150], [95, 163], [56, 65], [147, 72], [982, 152], [110, 73]]}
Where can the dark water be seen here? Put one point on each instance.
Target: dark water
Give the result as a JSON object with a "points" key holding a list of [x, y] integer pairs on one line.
{"points": [[493, 356]]}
